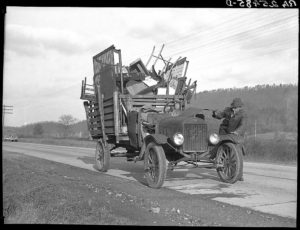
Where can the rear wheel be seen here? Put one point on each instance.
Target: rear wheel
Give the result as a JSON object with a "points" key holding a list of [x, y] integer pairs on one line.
{"points": [[102, 157], [155, 165], [230, 163]]}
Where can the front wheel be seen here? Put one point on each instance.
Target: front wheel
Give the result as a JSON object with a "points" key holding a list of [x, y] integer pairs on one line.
{"points": [[155, 165], [102, 157], [230, 163]]}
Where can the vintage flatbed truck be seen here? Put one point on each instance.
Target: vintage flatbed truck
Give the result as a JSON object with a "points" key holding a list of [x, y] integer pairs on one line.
{"points": [[150, 122]]}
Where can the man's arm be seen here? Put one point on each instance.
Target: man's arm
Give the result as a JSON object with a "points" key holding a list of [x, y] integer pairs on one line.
{"points": [[222, 114], [217, 114]]}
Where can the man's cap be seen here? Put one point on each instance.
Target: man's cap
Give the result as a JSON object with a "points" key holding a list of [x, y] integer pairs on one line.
{"points": [[237, 102]]}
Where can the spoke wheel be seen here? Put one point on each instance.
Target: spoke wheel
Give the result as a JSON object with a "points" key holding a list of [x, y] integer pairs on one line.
{"points": [[155, 165], [102, 157], [231, 161]]}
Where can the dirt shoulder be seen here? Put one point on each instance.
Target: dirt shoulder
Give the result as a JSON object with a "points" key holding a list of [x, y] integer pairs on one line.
{"points": [[42, 191]]}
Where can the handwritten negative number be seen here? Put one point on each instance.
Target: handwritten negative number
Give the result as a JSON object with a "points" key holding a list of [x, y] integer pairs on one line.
{"points": [[274, 4], [242, 4], [264, 3]]}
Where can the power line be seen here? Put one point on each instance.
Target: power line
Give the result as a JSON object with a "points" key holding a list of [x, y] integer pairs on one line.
{"points": [[6, 109], [253, 40], [233, 37], [223, 43], [223, 46], [238, 59], [216, 34], [211, 42], [198, 32], [238, 25], [271, 45], [192, 34], [224, 59], [235, 25]]}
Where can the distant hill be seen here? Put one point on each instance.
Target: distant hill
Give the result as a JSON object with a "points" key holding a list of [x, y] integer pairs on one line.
{"points": [[274, 108], [49, 129]]}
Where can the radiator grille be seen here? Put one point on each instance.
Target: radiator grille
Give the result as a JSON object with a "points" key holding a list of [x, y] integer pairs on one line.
{"points": [[195, 137]]}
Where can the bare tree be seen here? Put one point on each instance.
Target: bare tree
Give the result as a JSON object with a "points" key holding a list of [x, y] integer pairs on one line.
{"points": [[67, 121]]}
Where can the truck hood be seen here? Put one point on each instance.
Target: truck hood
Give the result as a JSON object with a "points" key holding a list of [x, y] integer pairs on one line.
{"points": [[192, 112], [171, 125]]}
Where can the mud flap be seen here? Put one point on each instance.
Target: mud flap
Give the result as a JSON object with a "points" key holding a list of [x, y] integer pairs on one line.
{"points": [[243, 150], [237, 140], [132, 128]]}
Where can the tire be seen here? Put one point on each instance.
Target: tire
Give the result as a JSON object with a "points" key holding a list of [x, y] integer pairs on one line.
{"points": [[231, 158], [155, 165], [102, 157]]}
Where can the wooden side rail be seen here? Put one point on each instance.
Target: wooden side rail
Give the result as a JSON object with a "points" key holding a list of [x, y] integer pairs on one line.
{"points": [[87, 91], [93, 117], [158, 101]]}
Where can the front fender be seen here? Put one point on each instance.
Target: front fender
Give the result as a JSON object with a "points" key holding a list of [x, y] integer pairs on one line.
{"points": [[237, 140], [159, 139]]}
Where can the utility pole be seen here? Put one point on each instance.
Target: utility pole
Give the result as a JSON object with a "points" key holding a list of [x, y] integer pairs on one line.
{"points": [[6, 109]]}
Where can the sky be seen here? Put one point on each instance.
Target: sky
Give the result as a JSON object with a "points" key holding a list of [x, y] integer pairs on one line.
{"points": [[48, 51]]}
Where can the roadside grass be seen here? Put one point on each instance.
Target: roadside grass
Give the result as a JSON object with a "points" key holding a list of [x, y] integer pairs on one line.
{"points": [[273, 151], [290, 136], [61, 141], [268, 150], [34, 192]]}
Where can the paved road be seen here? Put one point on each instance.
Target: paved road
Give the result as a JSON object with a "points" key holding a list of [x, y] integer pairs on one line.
{"points": [[267, 188]]}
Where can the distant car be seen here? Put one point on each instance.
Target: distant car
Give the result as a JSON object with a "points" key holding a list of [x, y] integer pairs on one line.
{"points": [[14, 138], [11, 138]]}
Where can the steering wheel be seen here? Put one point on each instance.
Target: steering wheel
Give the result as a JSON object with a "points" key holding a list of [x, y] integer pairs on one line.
{"points": [[147, 110], [170, 106]]}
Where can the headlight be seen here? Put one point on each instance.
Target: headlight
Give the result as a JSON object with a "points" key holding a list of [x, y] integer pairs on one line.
{"points": [[178, 139], [214, 138], [177, 106]]}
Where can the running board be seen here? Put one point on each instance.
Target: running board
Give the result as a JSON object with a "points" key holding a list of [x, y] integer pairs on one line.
{"points": [[211, 165]]}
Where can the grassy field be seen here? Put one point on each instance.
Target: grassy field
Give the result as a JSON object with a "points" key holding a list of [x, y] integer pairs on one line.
{"points": [[36, 192], [277, 147], [280, 151], [289, 136], [45, 192]]}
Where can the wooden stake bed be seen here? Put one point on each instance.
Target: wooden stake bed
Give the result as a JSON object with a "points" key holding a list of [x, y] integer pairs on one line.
{"points": [[108, 100]]}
